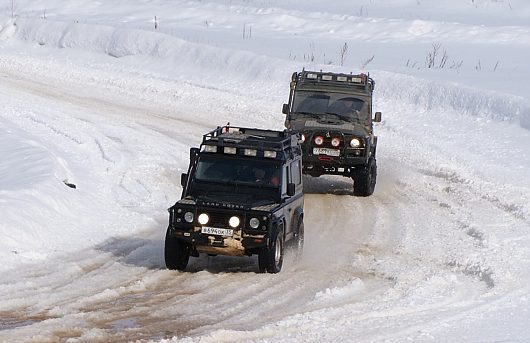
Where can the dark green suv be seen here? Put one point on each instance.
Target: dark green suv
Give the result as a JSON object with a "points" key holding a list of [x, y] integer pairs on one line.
{"points": [[242, 195], [333, 114]]}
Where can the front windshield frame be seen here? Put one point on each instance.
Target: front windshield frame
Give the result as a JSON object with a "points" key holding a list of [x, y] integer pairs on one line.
{"points": [[319, 104], [238, 171]]}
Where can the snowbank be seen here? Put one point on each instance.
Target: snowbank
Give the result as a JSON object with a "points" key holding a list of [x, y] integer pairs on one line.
{"points": [[428, 95], [203, 60], [32, 188], [226, 65]]}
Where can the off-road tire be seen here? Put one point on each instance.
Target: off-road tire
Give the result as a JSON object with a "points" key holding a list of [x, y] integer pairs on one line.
{"points": [[270, 259], [364, 180], [176, 253]]}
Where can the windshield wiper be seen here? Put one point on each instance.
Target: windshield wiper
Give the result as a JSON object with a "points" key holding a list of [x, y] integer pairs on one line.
{"points": [[344, 117], [306, 113], [335, 114], [217, 182]]}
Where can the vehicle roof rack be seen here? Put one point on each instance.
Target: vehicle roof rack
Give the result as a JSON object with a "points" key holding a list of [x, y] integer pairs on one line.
{"points": [[358, 81], [251, 138]]}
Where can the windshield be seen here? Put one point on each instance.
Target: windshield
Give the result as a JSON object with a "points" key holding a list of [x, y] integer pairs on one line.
{"points": [[318, 104], [239, 171]]}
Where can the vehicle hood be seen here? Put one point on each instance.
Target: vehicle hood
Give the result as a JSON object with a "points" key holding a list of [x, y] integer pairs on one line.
{"points": [[315, 124], [230, 201]]}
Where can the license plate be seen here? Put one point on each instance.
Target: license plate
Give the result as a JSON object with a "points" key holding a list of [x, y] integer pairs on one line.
{"points": [[326, 151], [217, 231]]}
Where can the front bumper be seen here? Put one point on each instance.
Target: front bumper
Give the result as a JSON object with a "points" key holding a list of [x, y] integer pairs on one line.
{"points": [[243, 239], [345, 165], [242, 242]]}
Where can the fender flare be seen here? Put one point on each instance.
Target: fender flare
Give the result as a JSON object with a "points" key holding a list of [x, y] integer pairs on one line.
{"points": [[280, 222], [297, 218]]}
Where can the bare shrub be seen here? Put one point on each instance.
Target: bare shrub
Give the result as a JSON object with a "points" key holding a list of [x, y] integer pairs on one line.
{"points": [[431, 60], [343, 53], [365, 63]]}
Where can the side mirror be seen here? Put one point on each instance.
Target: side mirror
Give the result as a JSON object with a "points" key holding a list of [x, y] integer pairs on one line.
{"points": [[194, 152], [377, 117], [285, 109], [183, 179], [291, 189]]}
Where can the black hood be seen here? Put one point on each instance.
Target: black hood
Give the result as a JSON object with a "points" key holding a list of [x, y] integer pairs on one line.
{"points": [[230, 201]]}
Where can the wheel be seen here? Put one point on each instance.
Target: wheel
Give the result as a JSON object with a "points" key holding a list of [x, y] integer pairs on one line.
{"points": [[176, 253], [270, 259], [364, 181]]}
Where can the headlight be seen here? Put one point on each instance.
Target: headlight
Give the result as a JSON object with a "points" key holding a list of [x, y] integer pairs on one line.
{"points": [[302, 138], [319, 140], [234, 221], [188, 216], [355, 143], [254, 223], [203, 218], [335, 142]]}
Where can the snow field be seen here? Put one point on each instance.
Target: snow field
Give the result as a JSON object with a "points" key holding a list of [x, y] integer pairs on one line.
{"points": [[113, 107]]}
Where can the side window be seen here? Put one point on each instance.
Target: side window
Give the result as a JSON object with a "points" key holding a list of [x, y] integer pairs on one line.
{"points": [[286, 179], [296, 176]]}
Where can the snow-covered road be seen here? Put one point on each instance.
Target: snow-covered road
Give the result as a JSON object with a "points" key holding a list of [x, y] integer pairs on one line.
{"points": [[438, 253], [410, 254]]}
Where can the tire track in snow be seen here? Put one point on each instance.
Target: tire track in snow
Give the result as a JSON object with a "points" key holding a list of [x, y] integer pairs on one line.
{"points": [[121, 290], [107, 287]]}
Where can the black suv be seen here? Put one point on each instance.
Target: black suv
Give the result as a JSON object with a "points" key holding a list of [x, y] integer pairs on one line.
{"points": [[333, 113], [242, 195]]}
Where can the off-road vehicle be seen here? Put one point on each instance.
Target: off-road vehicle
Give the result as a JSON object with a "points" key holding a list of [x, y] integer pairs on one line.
{"points": [[242, 195], [333, 113]]}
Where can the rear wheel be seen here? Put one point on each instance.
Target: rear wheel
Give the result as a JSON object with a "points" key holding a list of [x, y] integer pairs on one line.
{"points": [[270, 259], [176, 253], [364, 181]]}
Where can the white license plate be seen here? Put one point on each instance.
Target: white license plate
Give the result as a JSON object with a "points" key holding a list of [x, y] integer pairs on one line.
{"points": [[326, 151], [217, 231]]}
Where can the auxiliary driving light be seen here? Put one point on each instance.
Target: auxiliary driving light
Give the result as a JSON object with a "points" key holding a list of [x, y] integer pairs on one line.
{"points": [[335, 142], [269, 154], [230, 150], [251, 152], [234, 221], [209, 148], [319, 140], [203, 218]]}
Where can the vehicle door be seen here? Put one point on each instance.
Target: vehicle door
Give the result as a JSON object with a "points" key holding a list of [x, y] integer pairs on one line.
{"points": [[293, 204]]}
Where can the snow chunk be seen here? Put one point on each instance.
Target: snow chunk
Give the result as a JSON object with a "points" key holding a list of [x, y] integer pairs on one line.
{"points": [[351, 289]]}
